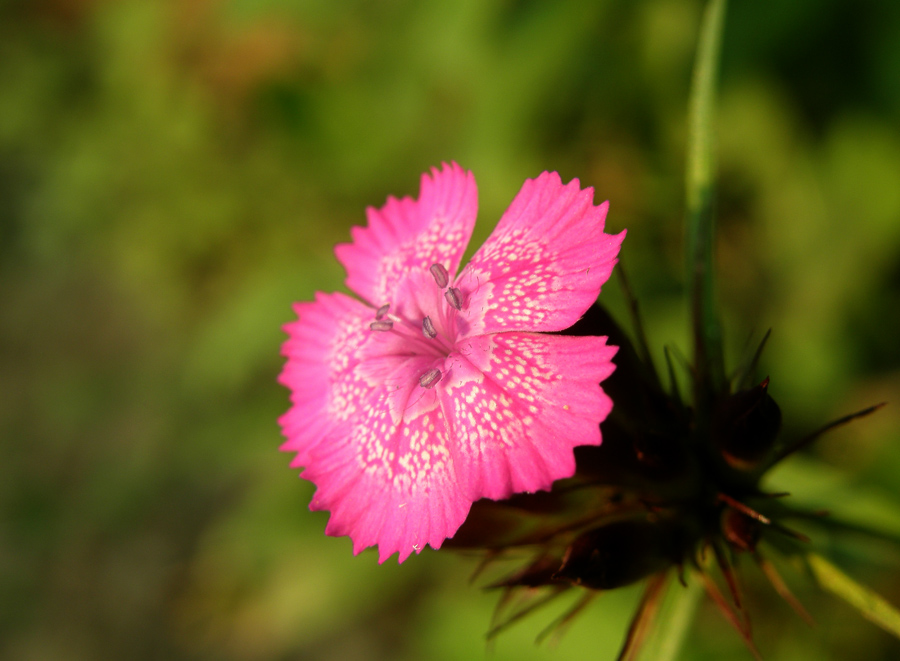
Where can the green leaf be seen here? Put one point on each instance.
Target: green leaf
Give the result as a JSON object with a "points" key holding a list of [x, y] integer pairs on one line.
{"points": [[852, 506], [870, 605], [699, 195]]}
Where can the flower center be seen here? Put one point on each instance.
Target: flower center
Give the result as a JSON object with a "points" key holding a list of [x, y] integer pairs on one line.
{"points": [[431, 330]]}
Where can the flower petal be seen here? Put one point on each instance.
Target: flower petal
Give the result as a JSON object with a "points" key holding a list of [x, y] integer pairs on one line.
{"points": [[390, 484], [372, 440], [544, 263], [410, 233], [518, 403], [417, 297], [323, 350]]}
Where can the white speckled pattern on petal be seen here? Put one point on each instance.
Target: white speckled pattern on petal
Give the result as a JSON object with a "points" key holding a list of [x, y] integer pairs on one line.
{"points": [[544, 264], [408, 233], [538, 398]]}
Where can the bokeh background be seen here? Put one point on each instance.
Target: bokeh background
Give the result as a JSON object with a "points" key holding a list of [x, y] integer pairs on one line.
{"points": [[173, 174]]}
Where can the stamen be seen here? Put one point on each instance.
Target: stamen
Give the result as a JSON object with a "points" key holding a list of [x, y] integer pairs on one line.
{"points": [[428, 328], [430, 378], [384, 325], [383, 310], [453, 298], [441, 277]]}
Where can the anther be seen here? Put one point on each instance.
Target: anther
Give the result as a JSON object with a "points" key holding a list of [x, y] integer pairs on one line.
{"points": [[384, 325], [383, 310], [430, 378], [441, 277], [428, 328], [453, 298]]}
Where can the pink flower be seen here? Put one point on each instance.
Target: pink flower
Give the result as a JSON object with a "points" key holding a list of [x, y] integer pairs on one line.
{"points": [[438, 388]]}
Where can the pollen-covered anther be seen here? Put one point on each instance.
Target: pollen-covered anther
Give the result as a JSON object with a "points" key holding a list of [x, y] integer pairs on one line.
{"points": [[428, 328], [381, 325], [441, 277], [430, 378], [383, 310], [453, 297]]}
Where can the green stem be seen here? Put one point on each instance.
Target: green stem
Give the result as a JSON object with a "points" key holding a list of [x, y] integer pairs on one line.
{"points": [[709, 363]]}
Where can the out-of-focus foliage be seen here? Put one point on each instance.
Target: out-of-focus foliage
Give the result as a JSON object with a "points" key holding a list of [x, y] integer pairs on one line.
{"points": [[173, 174]]}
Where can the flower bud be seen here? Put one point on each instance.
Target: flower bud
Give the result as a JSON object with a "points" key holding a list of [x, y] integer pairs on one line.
{"points": [[741, 531], [746, 427]]}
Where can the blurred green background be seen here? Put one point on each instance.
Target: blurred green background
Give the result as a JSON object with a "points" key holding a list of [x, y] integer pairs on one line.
{"points": [[174, 174]]}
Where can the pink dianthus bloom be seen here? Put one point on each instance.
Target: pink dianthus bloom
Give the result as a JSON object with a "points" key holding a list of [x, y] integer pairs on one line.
{"points": [[439, 388]]}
